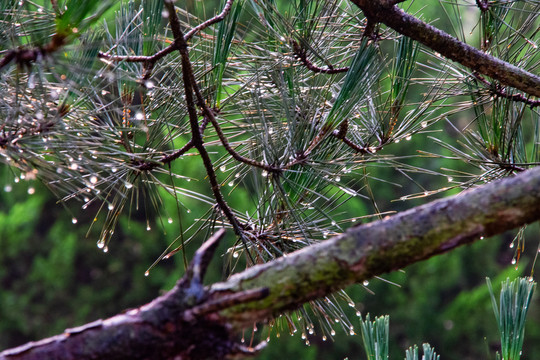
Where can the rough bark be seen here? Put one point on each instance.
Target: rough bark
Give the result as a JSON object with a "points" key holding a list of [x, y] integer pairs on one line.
{"points": [[192, 322], [448, 46]]}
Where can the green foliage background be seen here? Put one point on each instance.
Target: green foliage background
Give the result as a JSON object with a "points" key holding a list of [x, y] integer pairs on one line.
{"points": [[52, 275]]}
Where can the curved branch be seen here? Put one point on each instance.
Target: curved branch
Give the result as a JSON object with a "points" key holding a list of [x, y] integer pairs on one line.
{"points": [[450, 47], [382, 246]]}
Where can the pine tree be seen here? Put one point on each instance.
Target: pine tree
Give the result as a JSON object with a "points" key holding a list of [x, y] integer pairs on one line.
{"points": [[298, 104]]}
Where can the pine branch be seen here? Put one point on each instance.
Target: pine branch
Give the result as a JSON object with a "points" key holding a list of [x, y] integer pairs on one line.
{"points": [[189, 87], [151, 60], [192, 322], [496, 89], [302, 56], [387, 13]]}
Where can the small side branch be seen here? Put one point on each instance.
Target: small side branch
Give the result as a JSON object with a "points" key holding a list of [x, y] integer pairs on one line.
{"points": [[207, 23], [151, 60], [26, 56], [341, 134], [497, 90], [302, 56], [189, 87]]}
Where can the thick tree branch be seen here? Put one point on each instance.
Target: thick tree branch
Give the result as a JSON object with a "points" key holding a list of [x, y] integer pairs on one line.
{"points": [[170, 327], [386, 245], [448, 46], [191, 322]]}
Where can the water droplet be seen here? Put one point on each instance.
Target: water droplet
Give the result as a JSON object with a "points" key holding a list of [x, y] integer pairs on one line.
{"points": [[351, 304], [408, 137], [333, 332], [303, 336], [165, 14], [512, 245], [31, 191], [307, 342], [450, 179], [8, 188], [338, 178], [149, 84], [101, 244], [16, 180], [106, 249], [481, 238], [351, 332], [237, 175], [365, 283], [146, 273], [334, 223], [73, 166], [139, 115], [170, 220], [93, 179], [148, 228], [110, 207], [264, 173], [423, 124], [358, 313], [324, 338], [114, 170], [128, 185], [74, 220], [231, 183], [188, 211], [235, 254], [223, 168], [397, 141], [513, 261]]}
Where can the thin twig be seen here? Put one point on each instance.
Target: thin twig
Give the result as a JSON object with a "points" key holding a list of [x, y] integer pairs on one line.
{"points": [[187, 75], [139, 58], [207, 23], [497, 90], [151, 60], [209, 114], [302, 56], [341, 134]]}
